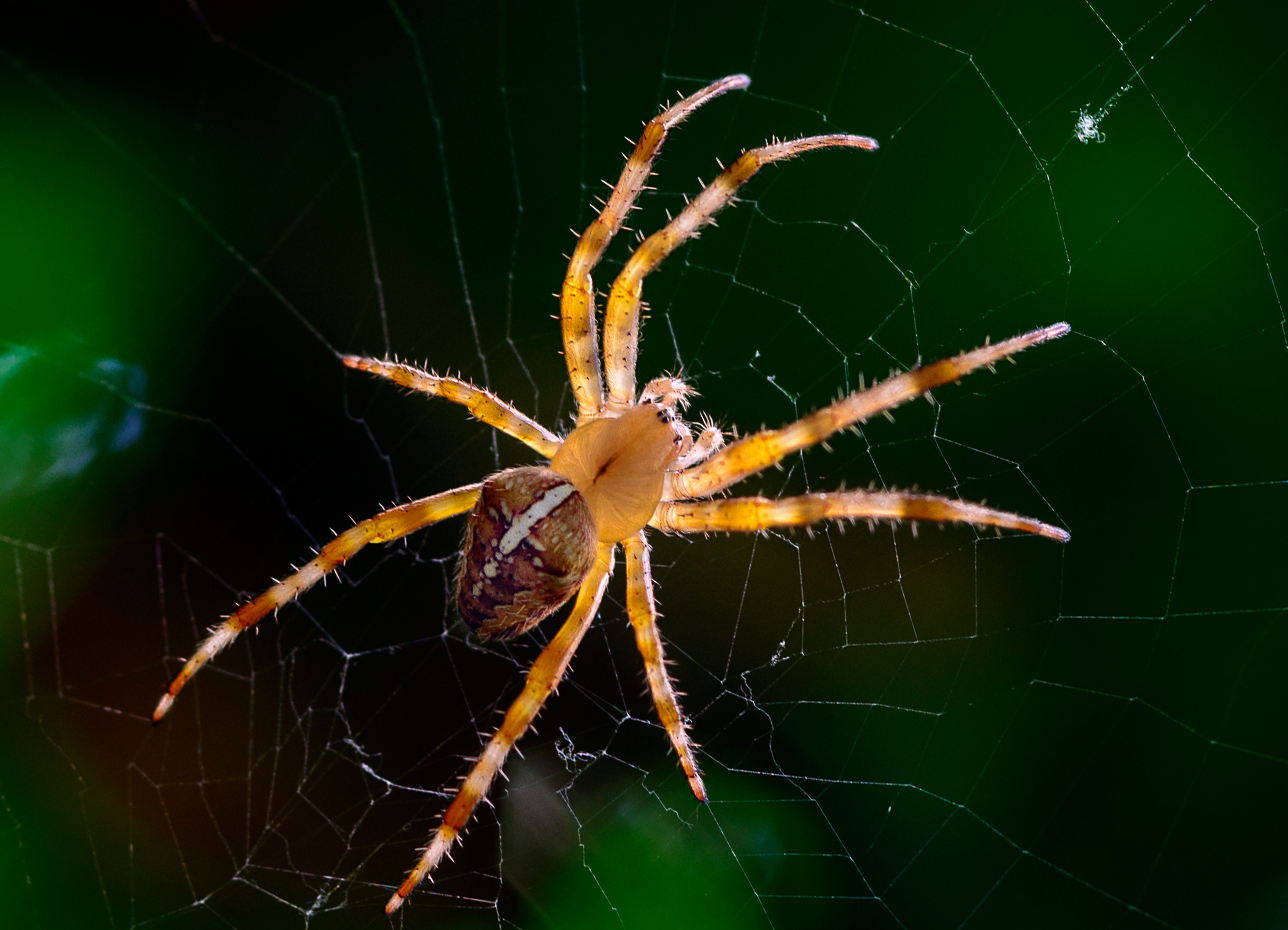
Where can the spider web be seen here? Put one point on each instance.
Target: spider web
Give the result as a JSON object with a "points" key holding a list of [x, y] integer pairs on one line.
{"points": [[950, 729]]}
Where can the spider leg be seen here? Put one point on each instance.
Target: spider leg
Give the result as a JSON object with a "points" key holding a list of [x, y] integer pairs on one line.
{"points": [[768, 447], [643, 614], [544, 676], [383, 527], [483, 404], [753, 514], [622, 318], [577, 300]]}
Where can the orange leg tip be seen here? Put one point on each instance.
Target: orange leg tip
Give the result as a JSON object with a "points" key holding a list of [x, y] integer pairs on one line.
{"points": [[163, 708], [1054, 532], [395, 902]]}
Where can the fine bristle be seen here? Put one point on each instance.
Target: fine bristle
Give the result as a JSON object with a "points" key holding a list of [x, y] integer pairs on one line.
{"points": [[1054, 331], [1053, 532]]}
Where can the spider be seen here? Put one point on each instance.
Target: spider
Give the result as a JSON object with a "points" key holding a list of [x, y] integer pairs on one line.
{"points": [[538, 535]]}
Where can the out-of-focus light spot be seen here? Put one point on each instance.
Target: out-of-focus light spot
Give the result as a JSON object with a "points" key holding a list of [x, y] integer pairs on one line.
{"points": [[12, 361], [72, 447], [52, 427]]}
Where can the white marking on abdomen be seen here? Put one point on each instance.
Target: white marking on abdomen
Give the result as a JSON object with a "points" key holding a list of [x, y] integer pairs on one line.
{"points": [[538, 511]]}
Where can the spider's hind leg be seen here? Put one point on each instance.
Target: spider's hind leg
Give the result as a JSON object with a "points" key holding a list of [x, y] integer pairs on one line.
{"points": [[544, 676], [643, 614], [386, 526]]}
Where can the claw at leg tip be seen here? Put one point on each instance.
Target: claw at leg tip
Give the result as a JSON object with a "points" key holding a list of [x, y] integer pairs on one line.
{"points": [[163, 707]]}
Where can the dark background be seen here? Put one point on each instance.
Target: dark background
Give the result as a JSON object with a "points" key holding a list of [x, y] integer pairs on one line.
{"points": [[201, 204]]}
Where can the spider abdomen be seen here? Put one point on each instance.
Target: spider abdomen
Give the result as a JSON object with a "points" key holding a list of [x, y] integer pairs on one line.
{"points": [[529, 544]]}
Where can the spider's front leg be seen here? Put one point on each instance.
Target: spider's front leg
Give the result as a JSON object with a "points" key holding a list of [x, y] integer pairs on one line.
{"points": [[758, 451], [544, 676], [622, 316], [577, 300]]}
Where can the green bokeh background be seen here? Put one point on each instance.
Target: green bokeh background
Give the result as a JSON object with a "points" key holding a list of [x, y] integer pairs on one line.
{"points": [[952, 730]]}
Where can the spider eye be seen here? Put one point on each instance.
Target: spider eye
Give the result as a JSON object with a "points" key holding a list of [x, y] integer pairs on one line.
{"points": [[529, 544]]}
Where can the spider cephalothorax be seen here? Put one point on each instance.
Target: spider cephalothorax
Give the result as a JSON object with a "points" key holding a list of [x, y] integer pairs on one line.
{"points": [[538, 535], [530, 540]]}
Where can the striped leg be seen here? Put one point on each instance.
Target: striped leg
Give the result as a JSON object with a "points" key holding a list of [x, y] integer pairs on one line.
{"points": [[577, 301], [768, 447], [622, 318], [643, 614], [383, 527], [485, 405], [546, 673], [752, 514]]}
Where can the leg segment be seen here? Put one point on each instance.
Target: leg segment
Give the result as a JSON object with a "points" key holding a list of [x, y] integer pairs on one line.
{"points": [[577, 302], [752, 514], [384, 527], [760, 450], [621, 321], [485, 405], [546, 673], [643, 614]]}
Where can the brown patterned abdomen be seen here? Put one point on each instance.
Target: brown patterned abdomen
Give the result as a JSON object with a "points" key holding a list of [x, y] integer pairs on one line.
{"points": [[529, 543]]}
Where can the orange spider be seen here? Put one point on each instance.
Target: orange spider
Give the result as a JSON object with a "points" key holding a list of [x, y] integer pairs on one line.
{"points": [[539, 534]]}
